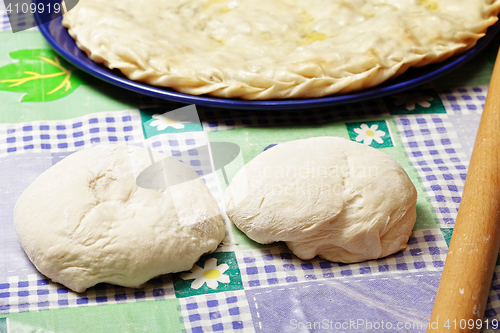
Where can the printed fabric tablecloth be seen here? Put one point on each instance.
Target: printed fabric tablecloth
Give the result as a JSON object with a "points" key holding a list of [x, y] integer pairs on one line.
{"points": [[49, 109]]}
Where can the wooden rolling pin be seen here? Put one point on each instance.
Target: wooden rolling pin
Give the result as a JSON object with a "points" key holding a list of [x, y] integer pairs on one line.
{"points": [[463, 291]]}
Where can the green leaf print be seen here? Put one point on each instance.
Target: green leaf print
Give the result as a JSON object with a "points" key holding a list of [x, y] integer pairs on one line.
{"points": [[39, 73]]}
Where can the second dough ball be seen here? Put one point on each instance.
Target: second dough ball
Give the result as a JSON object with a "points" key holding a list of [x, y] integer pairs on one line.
{"points": [[326, 196]]}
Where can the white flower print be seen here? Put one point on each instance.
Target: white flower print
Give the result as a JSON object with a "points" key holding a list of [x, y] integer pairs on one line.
{"points": [[411, 100], [162, 122], [368, 134], [211, 274]]}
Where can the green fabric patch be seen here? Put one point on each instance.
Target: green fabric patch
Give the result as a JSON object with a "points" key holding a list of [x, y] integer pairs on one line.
{"points": [[154, 123], [217, 272], [375, 134], [148, 316], [3, 325], [415, 102], [447, 232]]}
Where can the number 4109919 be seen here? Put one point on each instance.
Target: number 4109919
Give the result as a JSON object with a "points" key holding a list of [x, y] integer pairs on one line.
{"points": [[472, 324], [33, 8]]}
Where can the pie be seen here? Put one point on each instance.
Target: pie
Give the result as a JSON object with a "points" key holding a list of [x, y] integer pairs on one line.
{"points": [[260, 50]]}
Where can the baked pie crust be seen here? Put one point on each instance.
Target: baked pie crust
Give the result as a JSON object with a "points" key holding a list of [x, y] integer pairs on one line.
{"points": [[274, 49]]}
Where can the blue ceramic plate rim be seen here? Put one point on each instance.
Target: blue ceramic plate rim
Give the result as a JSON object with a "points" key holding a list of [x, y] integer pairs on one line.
{"points": [[57, 36]]}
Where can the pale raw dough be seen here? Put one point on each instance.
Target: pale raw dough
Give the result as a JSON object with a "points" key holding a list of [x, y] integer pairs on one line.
{"points": [[326, 196], [85, 221], [261, 49]]}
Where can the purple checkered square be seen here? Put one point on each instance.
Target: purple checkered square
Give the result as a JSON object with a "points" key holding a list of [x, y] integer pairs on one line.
{"points": [[466, 100], [219, 312], [439, 159], [277, 265], [71, 134]]}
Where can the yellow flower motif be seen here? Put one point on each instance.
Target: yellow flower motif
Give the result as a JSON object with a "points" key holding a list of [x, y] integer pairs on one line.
{"points": [[211, 274], [368, 134]]}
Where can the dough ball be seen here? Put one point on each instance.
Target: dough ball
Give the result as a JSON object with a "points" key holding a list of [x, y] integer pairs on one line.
{"points": [[85, 221], [326, 196]]}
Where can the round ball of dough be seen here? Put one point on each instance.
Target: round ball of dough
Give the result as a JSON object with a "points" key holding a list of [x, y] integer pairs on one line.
{"points": [[326, 196], [85, 221]]}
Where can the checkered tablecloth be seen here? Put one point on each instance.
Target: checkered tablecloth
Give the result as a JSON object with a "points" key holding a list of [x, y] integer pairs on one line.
{"points": [[4, 19], [430, 130]]}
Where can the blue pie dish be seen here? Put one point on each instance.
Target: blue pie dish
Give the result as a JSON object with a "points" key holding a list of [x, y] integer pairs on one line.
{"points": [[57, 35]]}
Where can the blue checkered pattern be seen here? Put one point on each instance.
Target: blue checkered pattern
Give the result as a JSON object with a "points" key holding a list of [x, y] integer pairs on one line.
{"points": [[277, 265], [213, 183], [467, 100], [184, 148], [221, 119], [466, 125], [435, 151], [493, 305], [4, 19], [38, 293], [25, 20], [316, 301], [221, 312], [70, 135], [23, 292]]}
